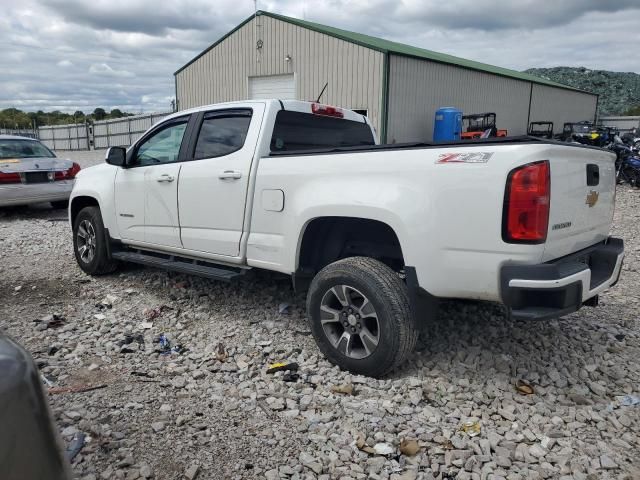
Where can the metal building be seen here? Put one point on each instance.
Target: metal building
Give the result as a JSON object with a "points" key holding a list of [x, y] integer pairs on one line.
{"points": [[399, 87], [623, 123]]}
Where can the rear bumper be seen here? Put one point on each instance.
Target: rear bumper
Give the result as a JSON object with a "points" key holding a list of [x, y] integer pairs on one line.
{"points": [[562, 286], [21, 194]]}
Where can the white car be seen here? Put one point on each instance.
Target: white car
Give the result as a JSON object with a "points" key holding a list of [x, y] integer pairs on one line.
{"points": [[376, 234], [31, 173]]}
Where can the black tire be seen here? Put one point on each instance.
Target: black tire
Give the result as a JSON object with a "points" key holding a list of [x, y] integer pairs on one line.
{"points": [[389, 296], [100, 263], [60, 204]]}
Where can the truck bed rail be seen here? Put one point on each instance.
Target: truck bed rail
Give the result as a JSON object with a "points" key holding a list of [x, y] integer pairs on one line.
{"points": [[522, 139]]}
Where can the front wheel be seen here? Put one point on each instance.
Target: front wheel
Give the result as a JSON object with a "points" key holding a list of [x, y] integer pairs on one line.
{"points": [[90, 243], [360, 316]]}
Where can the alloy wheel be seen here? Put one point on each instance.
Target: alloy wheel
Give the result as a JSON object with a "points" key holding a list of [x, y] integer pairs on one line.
{"points": [[86, 241], [350, 322]]}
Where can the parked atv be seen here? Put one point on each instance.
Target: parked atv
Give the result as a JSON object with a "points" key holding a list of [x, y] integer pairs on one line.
{"points": [[541, 129], [627, 163], [480, 125], [577, 132]]}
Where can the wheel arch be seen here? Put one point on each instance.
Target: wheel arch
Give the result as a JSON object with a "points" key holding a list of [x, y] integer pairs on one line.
{"points": [[326, 239], [78, 203]]}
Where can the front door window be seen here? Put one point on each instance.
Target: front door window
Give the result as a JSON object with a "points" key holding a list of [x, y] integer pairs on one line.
{"points": [[162, 147]]}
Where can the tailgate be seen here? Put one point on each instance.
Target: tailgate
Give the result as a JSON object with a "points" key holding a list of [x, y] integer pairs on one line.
{"points": [[582, 199]]}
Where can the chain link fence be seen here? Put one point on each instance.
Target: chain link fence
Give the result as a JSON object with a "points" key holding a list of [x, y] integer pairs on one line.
{"points": [[65, 137], [122, 132], [22, 132], [118, 132]]}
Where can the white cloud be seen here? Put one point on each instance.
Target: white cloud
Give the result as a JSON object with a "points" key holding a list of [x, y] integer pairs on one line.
{"points": [[81, 54], [105, 70]]}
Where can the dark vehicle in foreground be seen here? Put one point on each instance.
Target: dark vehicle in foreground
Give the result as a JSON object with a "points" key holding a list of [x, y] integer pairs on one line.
{"points": [[30, 448], [31, 173]]}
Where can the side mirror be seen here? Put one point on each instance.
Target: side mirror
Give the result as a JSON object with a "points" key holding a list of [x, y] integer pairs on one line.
{"points": [[116, 156]]}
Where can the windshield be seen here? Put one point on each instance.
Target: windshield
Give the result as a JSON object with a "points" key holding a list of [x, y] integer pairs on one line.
{"points": [[11, 148]]}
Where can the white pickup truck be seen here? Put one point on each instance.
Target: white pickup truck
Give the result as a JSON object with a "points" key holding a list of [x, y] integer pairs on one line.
{"points": [[375, 234]]}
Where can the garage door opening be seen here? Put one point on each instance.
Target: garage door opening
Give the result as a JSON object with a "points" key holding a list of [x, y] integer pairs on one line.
{"points": [[282, 87]]}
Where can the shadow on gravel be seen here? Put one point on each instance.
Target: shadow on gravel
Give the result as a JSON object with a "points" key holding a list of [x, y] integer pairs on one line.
{"points": [[42, 211], [478, 341]]}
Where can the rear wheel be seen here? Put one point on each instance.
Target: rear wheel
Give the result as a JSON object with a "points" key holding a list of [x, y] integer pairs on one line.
{"points": [[360, 316], [90, 243], [60, 204]]}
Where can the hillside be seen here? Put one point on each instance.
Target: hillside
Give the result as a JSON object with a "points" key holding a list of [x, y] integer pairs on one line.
{"points": [[619, 91]]}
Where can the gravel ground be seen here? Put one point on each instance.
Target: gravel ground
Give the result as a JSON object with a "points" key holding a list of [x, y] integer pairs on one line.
{"points": [[213, 412], [84, 158]]}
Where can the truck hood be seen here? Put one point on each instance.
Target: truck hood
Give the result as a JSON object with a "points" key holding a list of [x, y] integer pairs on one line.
{"points": [[36, 164]]}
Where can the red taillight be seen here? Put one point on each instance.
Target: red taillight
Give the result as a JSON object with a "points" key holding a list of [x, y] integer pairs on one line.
{"points": [[526, 204], [10, 178], [69, 173], [326, 110]]}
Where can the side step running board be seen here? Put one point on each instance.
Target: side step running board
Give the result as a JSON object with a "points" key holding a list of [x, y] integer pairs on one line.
{"points": [[180, 264]]}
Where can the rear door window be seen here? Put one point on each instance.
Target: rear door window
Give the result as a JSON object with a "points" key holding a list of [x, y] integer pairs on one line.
{"points": [[305, 131], [222, 133]]}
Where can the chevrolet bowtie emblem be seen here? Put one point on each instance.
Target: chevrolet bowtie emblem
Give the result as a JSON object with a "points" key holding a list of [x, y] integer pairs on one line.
{"points": [[592, 198]]}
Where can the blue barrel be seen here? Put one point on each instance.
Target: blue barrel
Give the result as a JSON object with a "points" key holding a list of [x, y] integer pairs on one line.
{"points": [[447, 125]]}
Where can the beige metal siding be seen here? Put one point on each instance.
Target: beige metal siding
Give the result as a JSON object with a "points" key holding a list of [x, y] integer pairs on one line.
{"points": [[559, 106], [417, 88], [622, 123], [354, 73]]}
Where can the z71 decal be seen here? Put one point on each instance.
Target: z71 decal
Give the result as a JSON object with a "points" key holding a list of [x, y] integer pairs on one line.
{"points": [[471, 157]]}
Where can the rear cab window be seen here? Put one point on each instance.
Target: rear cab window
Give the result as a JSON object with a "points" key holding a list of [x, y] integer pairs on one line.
{"points": [[304, 131]]}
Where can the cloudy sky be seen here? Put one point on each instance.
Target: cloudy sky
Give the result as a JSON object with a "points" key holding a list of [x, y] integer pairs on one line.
{"points": [[80, 54]]}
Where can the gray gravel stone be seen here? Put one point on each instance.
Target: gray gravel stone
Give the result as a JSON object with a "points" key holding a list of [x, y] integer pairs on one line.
{"points": [[607, 463], [192, 471], [158, 426], [310, 462], [219, 408]]}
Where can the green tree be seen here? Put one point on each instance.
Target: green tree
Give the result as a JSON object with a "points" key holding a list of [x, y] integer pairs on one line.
{"points": [[116, 113], [99, 113], [14, 118], [633, 110]]}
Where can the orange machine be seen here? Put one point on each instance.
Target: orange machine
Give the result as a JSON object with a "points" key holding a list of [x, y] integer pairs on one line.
{"points": [[480, 125]]}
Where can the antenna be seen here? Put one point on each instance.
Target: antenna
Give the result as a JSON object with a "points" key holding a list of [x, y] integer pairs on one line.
{"points": [[323, 89]]}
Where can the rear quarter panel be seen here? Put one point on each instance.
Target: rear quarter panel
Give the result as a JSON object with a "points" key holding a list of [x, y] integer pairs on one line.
{"points": [[447, 216]]}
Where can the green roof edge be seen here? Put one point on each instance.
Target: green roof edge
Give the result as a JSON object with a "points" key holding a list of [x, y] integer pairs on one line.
{"points": [[390, 47]]}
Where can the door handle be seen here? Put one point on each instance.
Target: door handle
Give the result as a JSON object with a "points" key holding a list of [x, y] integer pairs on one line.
{"points": [[165, 178], [230, 174]]}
